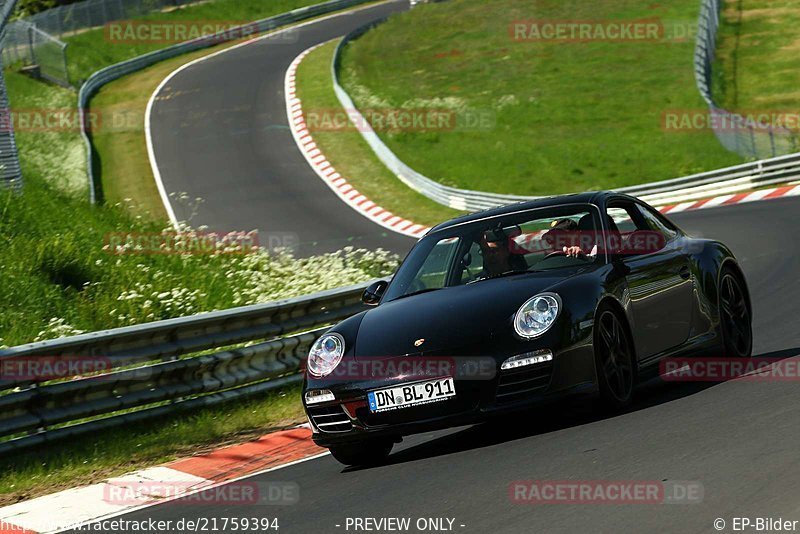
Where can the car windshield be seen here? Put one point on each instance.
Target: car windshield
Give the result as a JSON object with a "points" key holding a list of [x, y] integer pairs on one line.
{"points": [[539, 239]]}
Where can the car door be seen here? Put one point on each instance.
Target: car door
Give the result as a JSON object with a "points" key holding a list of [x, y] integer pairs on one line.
{"points": [[658, 280]]}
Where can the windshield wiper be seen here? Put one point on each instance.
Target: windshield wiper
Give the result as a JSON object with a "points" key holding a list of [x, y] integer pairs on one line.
{"points": [[501, 275]]}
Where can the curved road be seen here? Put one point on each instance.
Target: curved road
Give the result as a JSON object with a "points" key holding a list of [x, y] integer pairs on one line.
{"points": [[220, 133], [738, 439]]}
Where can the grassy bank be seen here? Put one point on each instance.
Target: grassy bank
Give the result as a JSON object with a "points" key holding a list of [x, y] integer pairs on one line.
{"points": [[759, 55], [567, 116], [351, 155], [93, 458], [60, 276]]}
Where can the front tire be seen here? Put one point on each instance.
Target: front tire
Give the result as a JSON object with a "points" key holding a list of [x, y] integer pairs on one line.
{"points": [[614, 359], [734, 316], [363, 453]]}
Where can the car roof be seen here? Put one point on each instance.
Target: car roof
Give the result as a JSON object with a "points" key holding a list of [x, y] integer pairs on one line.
{"points": [[592, 197]]}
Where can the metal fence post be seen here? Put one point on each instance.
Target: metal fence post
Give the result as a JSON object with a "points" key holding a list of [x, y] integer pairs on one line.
{"points": [[30, 43], [64, 61]]}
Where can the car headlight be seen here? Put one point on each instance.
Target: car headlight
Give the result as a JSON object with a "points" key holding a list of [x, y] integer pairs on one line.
{"points": [[537, 315], [325, 354]]}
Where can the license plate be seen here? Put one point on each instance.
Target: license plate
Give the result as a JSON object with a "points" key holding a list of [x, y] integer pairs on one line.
{"points": [[382, 400]]}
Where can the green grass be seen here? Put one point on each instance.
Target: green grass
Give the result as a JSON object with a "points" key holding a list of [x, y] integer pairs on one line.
{"points": [[91, 458], [93, 49], [351, 155], [568, 116], [759, 56], [59, 156]]}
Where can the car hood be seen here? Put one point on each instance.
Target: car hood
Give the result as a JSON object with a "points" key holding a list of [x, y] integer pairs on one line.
{"points": [[450, 318]]}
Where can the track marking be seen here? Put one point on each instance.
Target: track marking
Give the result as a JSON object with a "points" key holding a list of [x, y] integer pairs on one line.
{"points": [[731, 199], [325, 170], [157, 485]]}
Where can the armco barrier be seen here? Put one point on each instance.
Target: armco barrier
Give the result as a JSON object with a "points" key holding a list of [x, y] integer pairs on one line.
{"points": [[108, 74], [728, 180], [148, 373]]}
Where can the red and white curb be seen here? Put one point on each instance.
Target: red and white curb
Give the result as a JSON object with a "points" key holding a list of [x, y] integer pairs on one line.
{"points": [[737, 198], [155, 485], [344, 190]]}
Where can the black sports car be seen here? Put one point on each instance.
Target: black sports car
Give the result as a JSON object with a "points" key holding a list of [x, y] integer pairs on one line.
{"points": [[500, 309]]}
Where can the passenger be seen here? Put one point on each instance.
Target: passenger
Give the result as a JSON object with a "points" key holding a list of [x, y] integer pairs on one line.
{"points": [[497, 255]]}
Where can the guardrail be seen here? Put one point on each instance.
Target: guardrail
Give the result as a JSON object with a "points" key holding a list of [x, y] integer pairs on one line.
{"points": [[727, 180], [111, 73], [37, 408]]}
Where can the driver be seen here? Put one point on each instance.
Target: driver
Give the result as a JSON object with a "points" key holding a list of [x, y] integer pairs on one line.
{"points": [[497, 257], [564, 231]]}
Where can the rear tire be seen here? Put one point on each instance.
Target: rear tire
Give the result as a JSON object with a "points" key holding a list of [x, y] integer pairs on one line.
{"points": [[363, 453], [734, 316], [614, 358]]}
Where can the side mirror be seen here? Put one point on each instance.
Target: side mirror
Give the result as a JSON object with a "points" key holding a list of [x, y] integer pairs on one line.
{"points": [[372, 295]]}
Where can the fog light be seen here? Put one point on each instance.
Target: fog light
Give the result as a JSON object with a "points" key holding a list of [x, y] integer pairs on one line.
{"points": [[527, 358], [317, 396]]}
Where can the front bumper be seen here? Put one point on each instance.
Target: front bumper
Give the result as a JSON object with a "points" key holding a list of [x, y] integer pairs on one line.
{"points": [[348, 418]]}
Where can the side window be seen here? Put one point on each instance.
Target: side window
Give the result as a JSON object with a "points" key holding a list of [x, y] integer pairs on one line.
{"points": [[622, 219], [638, 232], [433, 273], [655, 224]]}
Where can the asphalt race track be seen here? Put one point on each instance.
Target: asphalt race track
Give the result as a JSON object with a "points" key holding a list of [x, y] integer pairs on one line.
{"points": [[220, 133], [738, 439]]}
